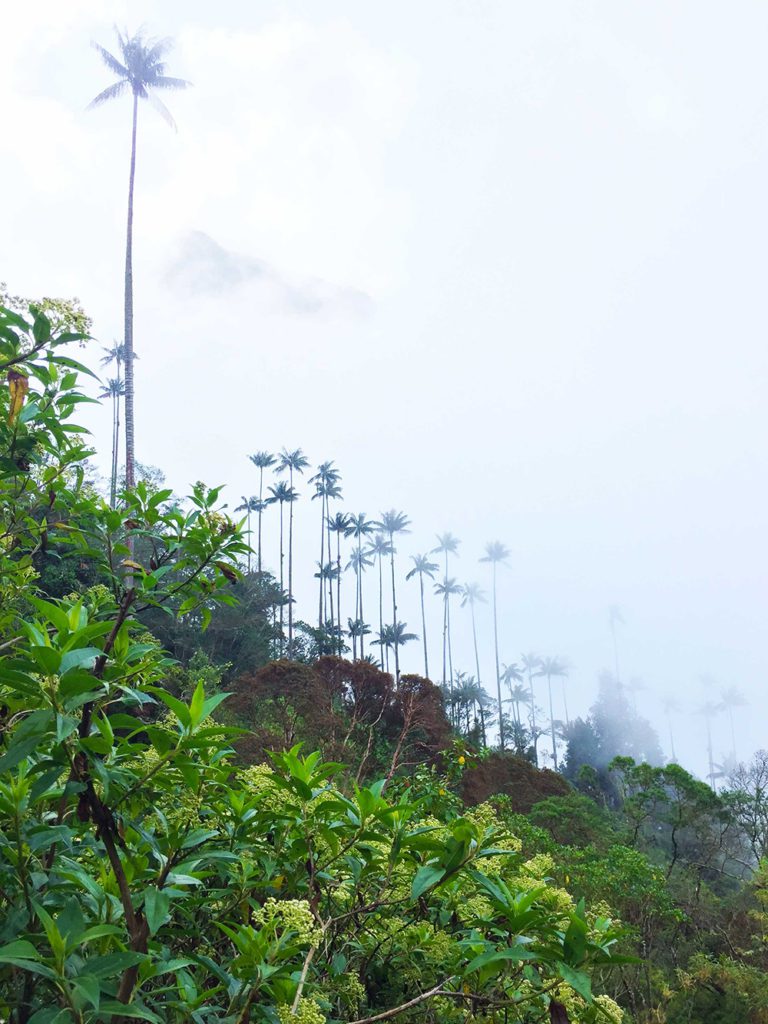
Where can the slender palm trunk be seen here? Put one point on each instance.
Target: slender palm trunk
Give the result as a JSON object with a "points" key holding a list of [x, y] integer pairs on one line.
{"points": [[552, 720], [115, 442], [130, 457], [320, 608], [338, 585], [533, 719], [290, 572], [710, 756], [261, 493], [565, 702], [362, 615], [671, 738], [282, 603], [450, 645], [424, 626], [496, 653], [330, 565], [249, 536], [381, 614], [394, 605]]}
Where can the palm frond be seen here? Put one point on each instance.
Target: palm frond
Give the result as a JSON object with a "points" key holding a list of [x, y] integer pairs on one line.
{"points": [[110, 93], [112, 62], [162, 110]]}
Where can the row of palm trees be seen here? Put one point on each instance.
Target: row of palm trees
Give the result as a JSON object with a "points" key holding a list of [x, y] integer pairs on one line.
{"points": [[356, 543]]}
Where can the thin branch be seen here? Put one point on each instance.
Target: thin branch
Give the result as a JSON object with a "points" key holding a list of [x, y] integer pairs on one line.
{"points": [[436, 991]]}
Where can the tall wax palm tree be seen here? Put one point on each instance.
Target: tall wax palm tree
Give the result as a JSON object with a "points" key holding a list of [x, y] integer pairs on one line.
{"points": [[340, 524], [496, 553], [357, 630], [708, 710], [671, 706], [326, 483], [262, 461], [510, 675], [359, 561], [532, 665], [423, 567], [447, 545], [472, 594], [393, 637], [291, 462], [140, 71], [394, 522], [249, 505], [379, 548], [518, 695], [360, 526], [732, 698], [114, 389], [282, 493], [552, 667], [449, 587]]}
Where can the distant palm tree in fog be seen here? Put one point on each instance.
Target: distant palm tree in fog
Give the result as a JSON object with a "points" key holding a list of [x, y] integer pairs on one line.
{"points": [[394, 522], [495, 553], [671, 706], [447, 545], [262, 461], [532, 664], [423, 567], [733, 698], [553, 667]]}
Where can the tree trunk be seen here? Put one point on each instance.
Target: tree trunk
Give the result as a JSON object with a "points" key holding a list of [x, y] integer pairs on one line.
{"points": [[130, 456], [329, 606], [261, 502], [552, 720], [381, 612], [338, 585], [320, 608], [290, 570], [496, 652], [565, 703], [533, 719], [424, 626], [394, 606], [282, 602]]}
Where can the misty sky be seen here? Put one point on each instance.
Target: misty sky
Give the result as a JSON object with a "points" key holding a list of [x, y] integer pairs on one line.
{"points": [[503, 262]]}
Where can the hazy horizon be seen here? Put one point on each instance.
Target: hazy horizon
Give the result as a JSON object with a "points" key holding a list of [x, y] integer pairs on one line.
{"points": [[501, 263]]}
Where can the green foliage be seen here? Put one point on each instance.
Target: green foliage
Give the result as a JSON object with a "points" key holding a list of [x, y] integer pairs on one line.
{"points": [[143, 875]]}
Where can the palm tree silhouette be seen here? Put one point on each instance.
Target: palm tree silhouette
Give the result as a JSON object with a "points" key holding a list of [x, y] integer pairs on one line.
{"points": [[472, 594], [532, 664], [393, 522], [291, 462], [359, 561], [360, 526], [733, 698], [496, 552], [708, 710], [262, 461], [282, 493], [448, 588], [326, 481], [552, 667], [341, 525], [511, 674], [357, 630], [249, 505], [447, 545], [379, 548], [141, 71], [114, 389], [671, 705], [423, 567]]}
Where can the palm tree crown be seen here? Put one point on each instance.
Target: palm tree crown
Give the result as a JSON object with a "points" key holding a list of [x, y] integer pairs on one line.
{"points": [[140, 70]]}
